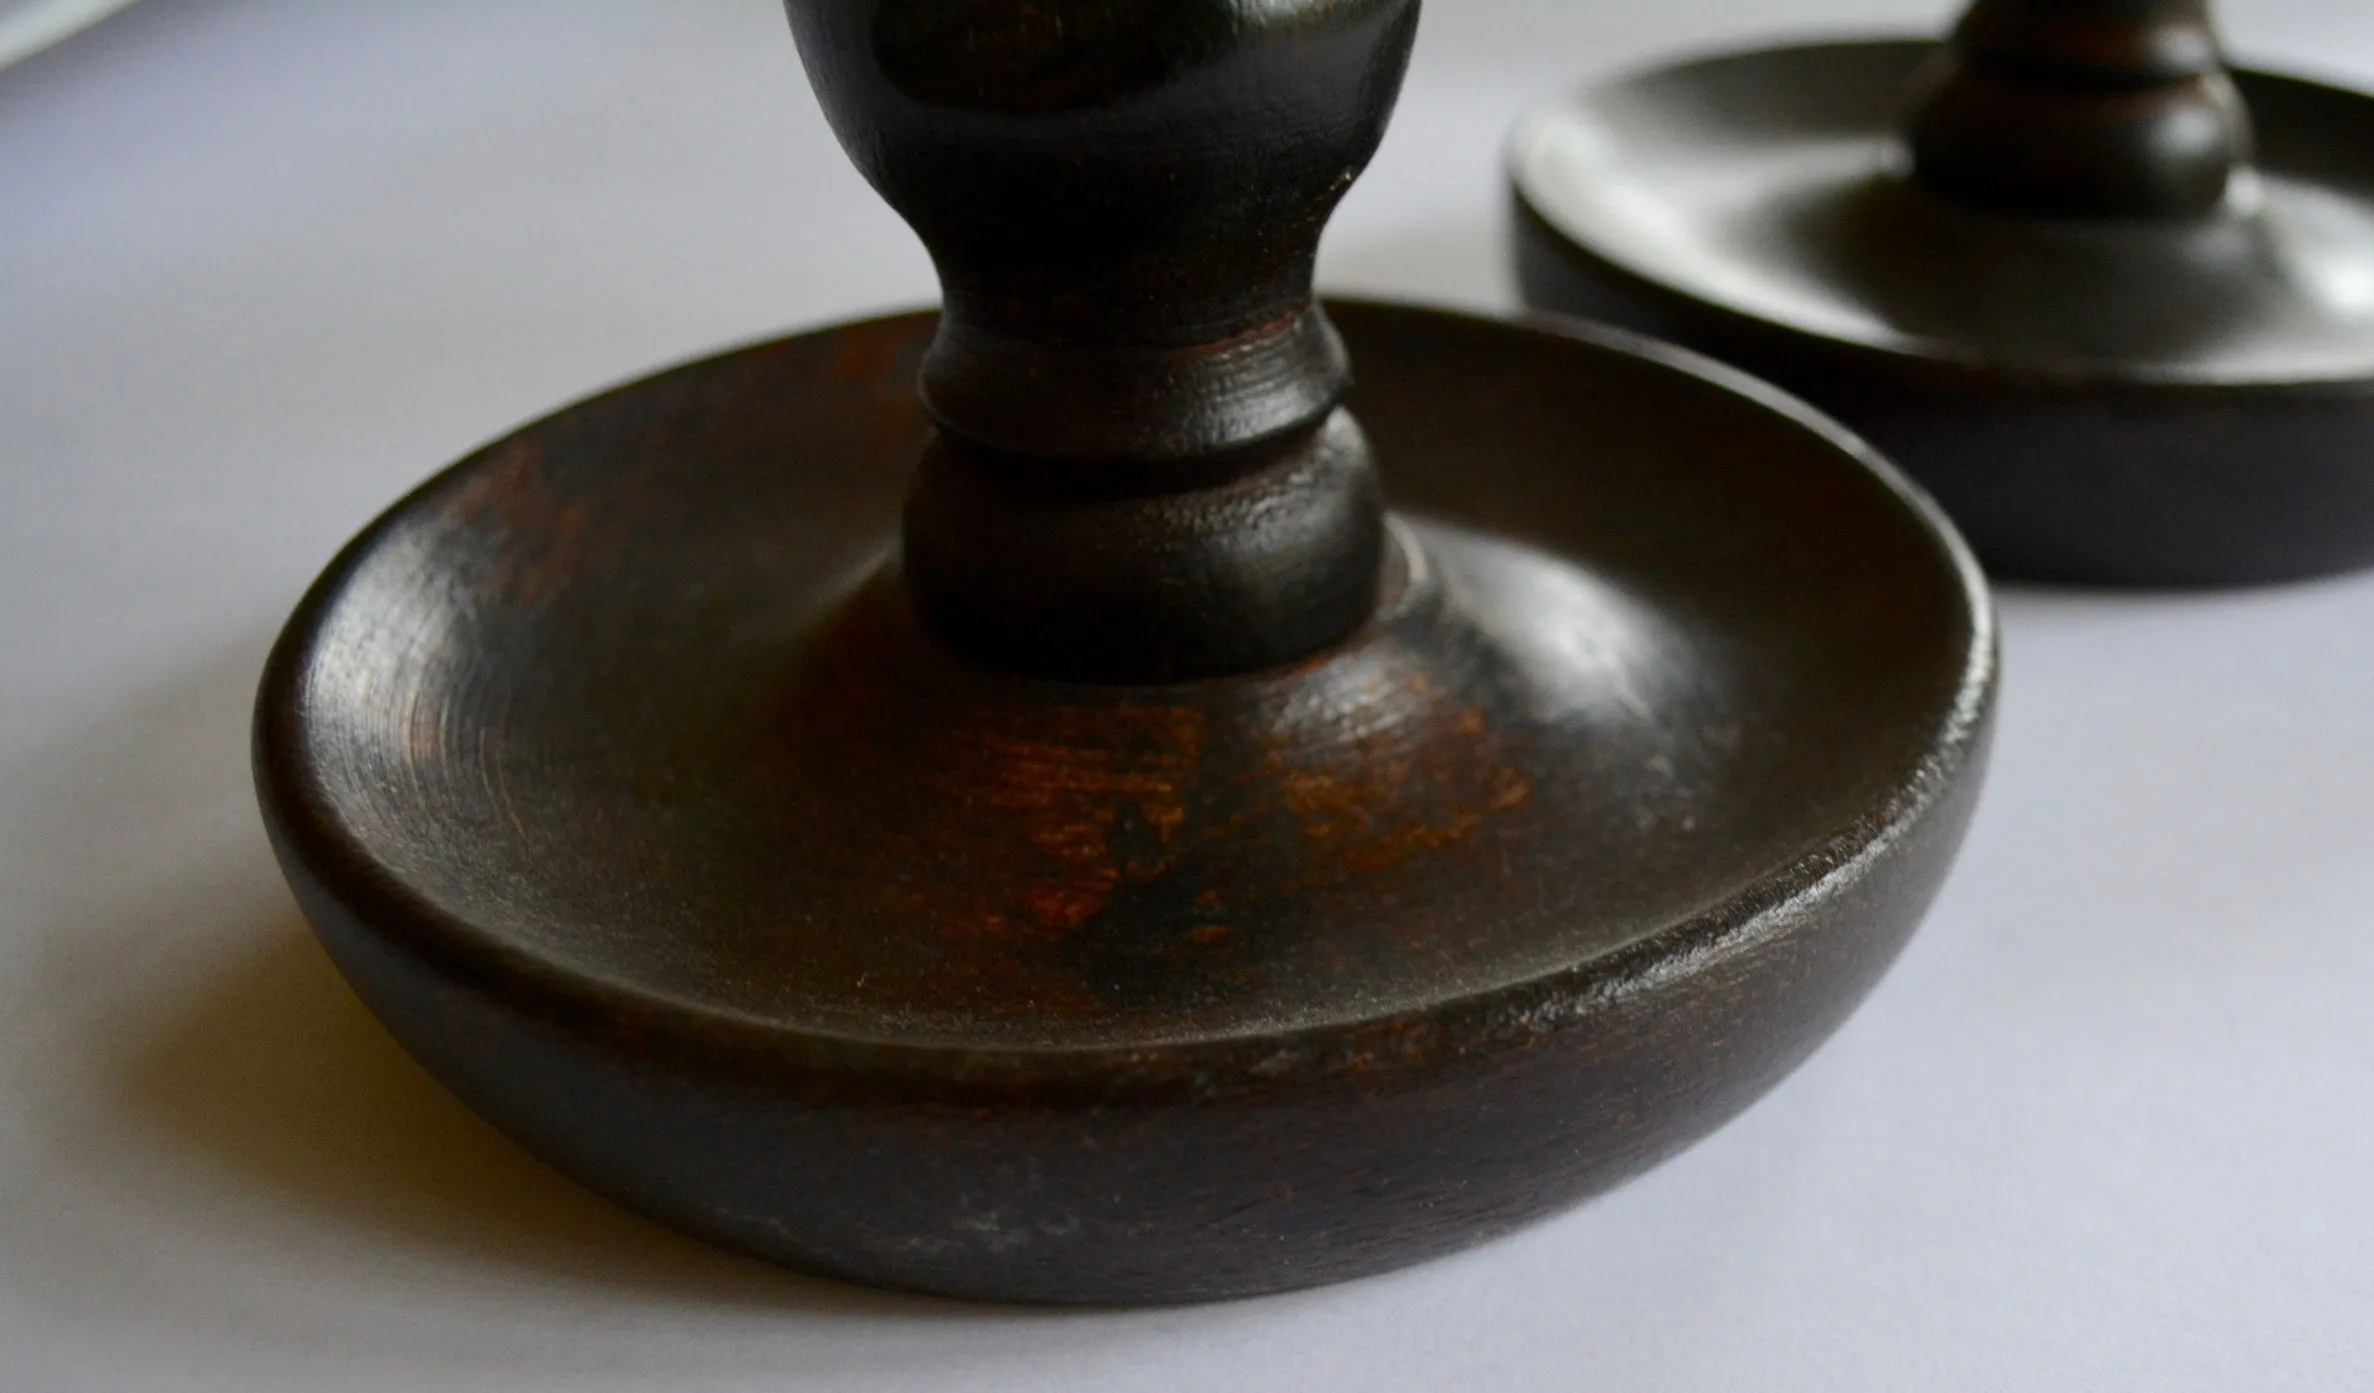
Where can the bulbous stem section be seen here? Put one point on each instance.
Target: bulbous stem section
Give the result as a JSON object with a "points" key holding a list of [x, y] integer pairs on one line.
{"points": [[1241, 563], [1143, 473], [2081, 108]]}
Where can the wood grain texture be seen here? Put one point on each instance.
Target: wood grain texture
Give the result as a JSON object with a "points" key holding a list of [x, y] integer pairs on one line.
{"points": [[1040, 839], [619, 780]]}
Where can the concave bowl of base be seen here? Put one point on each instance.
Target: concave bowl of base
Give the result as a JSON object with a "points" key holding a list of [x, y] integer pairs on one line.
{"points": [[614, 772], [2120, 401]]}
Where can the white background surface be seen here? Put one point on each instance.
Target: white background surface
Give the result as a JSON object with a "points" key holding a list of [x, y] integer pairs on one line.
{"points": [[263, 265], [28, 26]]}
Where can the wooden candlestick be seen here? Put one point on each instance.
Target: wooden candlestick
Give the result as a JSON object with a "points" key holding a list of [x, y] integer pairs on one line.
{"points": [[1053, 836], [2056, 267]]}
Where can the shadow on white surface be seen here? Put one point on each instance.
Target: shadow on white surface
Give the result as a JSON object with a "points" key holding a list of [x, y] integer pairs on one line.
{"points": [[211, 1136], [276, 1077]]}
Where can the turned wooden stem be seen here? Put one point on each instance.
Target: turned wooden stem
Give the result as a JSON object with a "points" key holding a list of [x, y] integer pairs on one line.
{"points": [[2081, 108], [1142, 473]]}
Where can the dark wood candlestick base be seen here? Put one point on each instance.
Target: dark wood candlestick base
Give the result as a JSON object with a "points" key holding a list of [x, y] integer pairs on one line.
{"points": [[1054, 835], [2099, 394], [682, 852]]}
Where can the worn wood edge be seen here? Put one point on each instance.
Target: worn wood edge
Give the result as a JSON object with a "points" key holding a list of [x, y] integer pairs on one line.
{"points": [[1513, 1016]]}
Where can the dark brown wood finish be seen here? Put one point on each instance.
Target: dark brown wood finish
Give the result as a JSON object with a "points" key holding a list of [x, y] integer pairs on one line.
{"points": [[2105, 298], [630, 777], [2081, 108], [1141, 474]]}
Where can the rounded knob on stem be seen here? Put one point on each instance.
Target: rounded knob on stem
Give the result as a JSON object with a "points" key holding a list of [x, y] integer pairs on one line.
{"points": [[1136, 478], [2082, 108]]}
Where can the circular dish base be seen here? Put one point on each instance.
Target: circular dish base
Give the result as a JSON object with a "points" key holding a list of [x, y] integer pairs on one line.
{"points": [[616, 773], [2111, 401]]}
